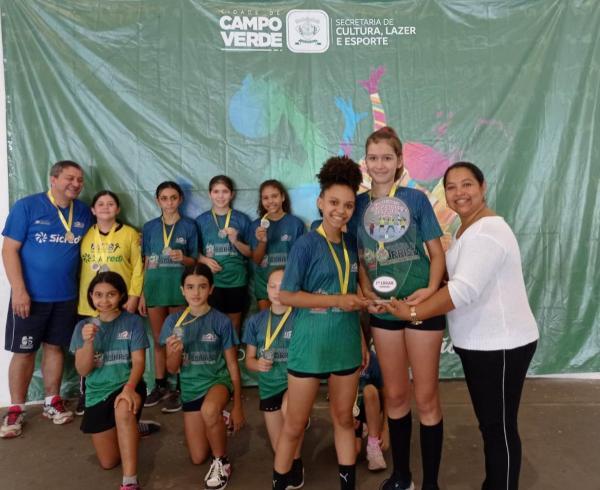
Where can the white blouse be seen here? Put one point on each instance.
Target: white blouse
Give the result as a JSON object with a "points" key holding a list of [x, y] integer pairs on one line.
{"points": [[487, 288]]}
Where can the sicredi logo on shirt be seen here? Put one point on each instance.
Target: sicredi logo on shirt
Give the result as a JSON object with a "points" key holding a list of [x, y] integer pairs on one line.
{"points": [[42, 237]]}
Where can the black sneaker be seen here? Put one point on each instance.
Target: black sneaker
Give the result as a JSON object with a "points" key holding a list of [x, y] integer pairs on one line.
{"points": [[395, 483], [295, 478], [172, 403], [80, 410], [218, 474], [158, 394], [148, 427]]}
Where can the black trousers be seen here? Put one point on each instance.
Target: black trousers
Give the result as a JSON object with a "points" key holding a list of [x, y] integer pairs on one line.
{"points": [[495, 381]]}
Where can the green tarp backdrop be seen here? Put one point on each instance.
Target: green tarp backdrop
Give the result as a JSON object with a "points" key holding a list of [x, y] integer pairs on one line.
{"points": [[143, 91]]}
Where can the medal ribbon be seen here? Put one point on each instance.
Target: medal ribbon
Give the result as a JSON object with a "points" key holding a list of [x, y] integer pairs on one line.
{"points": [[392, 192], [269, 339], [180, 320], [344, 277], [65, 223], [167, 238], [227, 219], [101, 255]]}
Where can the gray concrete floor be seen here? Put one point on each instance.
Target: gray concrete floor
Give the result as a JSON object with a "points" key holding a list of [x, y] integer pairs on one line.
{"points": [[559, 420]]}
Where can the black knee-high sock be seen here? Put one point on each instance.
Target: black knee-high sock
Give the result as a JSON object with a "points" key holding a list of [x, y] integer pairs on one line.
{"points": [[400, 432], [432, 437], [178, 385], [279, 480], [160, 382], [347, 477]]}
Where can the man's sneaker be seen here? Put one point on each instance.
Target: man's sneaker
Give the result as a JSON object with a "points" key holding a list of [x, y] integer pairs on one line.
{"points": [[130, 486], [148, 427], [12, 423], [158, 394], [80, 410], [172, 403], [57, 412], [375, 458], [295, 478], [218, 474], [394, 483]]}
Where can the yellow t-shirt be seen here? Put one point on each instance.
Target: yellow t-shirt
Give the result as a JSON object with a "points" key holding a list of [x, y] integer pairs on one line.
{"points": [[123, 255]]}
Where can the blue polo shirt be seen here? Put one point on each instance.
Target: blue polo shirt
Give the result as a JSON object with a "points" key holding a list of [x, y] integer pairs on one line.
{"points": [[49, 262]]}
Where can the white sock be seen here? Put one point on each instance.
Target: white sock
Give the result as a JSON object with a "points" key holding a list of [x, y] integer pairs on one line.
{"points": [[129, 480], [48, 399]]}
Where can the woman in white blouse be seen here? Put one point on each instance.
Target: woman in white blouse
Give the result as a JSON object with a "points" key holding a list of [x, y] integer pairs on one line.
{"points": [[491, 324]]}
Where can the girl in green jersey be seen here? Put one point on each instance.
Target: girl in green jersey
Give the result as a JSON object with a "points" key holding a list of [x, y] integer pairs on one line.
{"points": [[321, 282]]}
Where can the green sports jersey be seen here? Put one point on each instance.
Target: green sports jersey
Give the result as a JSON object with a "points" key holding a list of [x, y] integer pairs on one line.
{"points": [[281, 235], [234, 265], [113, 345], [402, 224], [162, 276], [204, 340], [255, 330], [328, 339]]}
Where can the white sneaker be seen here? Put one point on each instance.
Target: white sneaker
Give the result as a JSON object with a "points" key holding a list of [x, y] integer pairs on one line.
{"points": [[218, 474], [57, 412], [12, 423], [375, 458]]}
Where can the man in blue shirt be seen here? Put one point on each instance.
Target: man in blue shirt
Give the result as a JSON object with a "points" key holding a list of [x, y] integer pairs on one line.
{"points": [[41, 257]]}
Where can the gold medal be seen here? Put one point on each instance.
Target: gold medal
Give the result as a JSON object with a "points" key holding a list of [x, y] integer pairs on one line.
{"points": [[69, 237]]}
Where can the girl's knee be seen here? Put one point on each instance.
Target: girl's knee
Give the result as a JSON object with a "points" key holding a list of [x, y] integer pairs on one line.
{"points": [[397, 399], [342, 419], [108, 462], [428, 404], [370, 394], [211, 413], [123, 415], [198, 457]]}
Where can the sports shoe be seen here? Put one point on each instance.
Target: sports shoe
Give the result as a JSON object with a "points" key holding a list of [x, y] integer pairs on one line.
{"points": [[375, 458], [80, 410], [172, 403], [130, 486], [394, 483], [148, 427], [295, 478], [218, 474], [12, 423], [57, 412], [158, 394]]}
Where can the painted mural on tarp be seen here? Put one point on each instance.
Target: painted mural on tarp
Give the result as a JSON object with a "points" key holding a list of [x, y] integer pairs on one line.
{"points": [[141, 92]]}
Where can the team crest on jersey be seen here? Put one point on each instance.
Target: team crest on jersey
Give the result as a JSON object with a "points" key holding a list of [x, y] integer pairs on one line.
{"points": [[210, 251], [26, 342], [181, 240], [354, 267], [78, 224], [124, 335], [286, 238], [287, 335], [208, 337]]}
